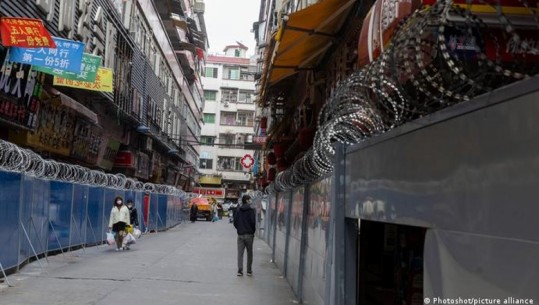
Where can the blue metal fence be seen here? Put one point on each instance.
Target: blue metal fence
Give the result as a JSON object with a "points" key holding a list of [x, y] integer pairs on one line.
{"points": [[38, 216]]}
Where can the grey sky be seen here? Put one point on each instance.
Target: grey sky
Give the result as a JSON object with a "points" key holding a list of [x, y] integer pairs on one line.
{"points": [[228, 21]]}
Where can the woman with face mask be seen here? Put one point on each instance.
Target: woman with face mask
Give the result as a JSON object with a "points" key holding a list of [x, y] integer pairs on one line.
{"points": [[132, 212], [118, 221]]}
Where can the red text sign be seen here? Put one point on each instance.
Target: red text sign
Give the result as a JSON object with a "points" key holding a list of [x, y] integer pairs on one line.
{"points": [[25, 32]]}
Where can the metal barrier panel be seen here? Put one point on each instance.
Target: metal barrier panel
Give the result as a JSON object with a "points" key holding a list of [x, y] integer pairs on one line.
{"points": [[33, 217], [486, 266], [283, 201], [153, 208], [10, 189], [294, 241], [261, 205], [25, 219], [60, 214], [138, 199], [78, 215], [95, 215], [162, 212], [174, 211], [40, 214], [272, 216], [314, 277]]}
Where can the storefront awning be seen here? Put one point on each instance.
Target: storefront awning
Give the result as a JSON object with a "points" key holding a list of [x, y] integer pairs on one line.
{"points": [[304, 38], [64, 100]]}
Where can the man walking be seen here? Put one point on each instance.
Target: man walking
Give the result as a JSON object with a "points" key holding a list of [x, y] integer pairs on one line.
{"points": [[245, 224]]}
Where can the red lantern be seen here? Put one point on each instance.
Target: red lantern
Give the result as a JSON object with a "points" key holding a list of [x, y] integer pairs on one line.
{"points": [[271, 174], [271, 158], [264, 122]]}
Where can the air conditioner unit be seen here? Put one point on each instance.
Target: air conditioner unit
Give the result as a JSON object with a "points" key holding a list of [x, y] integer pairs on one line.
{"points": [[225, 104]]}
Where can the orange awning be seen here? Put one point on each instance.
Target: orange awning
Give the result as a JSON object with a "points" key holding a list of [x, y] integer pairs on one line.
{"points": [[305, 37]]}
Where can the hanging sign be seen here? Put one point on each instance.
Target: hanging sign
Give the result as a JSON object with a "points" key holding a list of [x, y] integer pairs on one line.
{"points": [[25, 33], [103, 81], [66, 56], [88, 73], [247, 161]]}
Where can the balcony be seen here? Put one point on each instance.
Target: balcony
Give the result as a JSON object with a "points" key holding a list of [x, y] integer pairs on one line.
{"points": [[236, 123], [187, 61]]}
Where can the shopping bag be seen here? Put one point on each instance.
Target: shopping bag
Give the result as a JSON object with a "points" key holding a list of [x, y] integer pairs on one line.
{"points": [[110, 238], [137, 233], [130, 239], [129, 229]]}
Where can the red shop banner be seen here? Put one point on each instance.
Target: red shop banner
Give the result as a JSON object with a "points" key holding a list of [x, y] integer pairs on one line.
{"points": [[25, 33], [210, 192]]}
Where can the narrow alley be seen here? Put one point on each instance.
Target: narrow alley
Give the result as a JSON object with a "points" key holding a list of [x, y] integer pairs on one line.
{"points": [[188, 264]]}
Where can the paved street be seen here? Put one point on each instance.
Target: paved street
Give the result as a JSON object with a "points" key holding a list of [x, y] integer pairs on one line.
{"points": [[190, 264]]}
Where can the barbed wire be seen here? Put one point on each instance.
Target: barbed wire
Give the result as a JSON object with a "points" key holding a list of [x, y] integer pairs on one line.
{"points": [[439, 56], [20, 160]]}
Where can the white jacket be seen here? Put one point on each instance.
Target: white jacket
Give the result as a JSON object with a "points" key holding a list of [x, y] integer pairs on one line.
{"points": [[119, 215]]}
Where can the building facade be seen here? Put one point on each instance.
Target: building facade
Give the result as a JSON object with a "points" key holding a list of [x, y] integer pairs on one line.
{"points": [[226, 160], [144, 127]]}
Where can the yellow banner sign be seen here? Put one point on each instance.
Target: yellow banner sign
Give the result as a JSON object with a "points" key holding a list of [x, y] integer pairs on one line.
{"points": [[103, 81]]}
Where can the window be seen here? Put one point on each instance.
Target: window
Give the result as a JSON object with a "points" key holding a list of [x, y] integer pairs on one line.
{"points": [[228, 118], [207, 140], [237, 53], [226, 138], [229, 95], [245, 118], [246, 74], [245, 96], [210, 95], [231, 73], [211, 72], [229, 164], [209, 118], [206, 164]]}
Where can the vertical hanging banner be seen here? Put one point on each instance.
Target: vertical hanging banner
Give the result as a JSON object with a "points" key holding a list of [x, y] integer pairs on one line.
{"points": [[89, 66], [67, 55], [103, 81], [25, 33]]}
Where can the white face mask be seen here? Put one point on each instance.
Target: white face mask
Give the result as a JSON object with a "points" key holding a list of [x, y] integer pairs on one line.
{"points": [[118, 202]]}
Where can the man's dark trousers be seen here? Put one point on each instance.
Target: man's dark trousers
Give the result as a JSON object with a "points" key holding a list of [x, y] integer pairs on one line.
{"points": [[245, 241]]}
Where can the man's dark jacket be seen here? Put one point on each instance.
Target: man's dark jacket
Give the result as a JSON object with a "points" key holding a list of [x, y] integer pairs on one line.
{"points": [[245, 220]]}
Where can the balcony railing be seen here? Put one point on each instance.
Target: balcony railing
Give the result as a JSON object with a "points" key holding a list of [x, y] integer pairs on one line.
{"points": [[242, 124]]}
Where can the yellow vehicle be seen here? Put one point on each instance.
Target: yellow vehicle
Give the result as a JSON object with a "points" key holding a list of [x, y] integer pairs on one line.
{"points": [[204, 208]]}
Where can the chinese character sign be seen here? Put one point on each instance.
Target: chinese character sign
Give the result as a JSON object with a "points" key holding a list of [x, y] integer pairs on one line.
{"points": [[66, 56], [103, 81], [88, 73], [25, 32]]}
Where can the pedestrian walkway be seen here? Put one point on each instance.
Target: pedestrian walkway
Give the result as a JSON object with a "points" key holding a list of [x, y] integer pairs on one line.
{"points": [[190, 264]]}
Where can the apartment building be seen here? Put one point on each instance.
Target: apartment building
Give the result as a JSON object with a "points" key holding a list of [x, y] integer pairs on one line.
{"points": [[226, 162], [144, 128]]}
